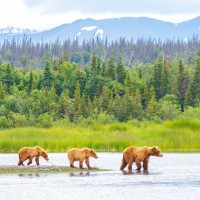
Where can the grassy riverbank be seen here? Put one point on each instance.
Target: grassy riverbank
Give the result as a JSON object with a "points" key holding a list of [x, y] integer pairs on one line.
{"points": [[10, 169], [180, 135]]}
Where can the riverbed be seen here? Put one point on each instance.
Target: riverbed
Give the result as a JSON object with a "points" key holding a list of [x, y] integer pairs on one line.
{"points": [[174, 176]]}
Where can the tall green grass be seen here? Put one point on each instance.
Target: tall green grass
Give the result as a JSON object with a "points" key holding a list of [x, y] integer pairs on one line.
{"points": [[180, 135]]}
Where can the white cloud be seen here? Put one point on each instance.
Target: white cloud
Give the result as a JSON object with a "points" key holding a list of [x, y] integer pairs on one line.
{"points": [[45, 14], [116, 6]]}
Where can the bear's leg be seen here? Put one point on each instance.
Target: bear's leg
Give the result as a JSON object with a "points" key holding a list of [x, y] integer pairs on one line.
{"points": [[37, 160], [81, 164], [130, 166], [145, 165], [22, 160], [72, 163], [30, 160], [88, 163], [138, 164], [123, 164], [19, 163]]}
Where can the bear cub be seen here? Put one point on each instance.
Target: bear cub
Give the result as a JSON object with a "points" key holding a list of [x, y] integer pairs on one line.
{"points": [[31, 152], [80, 155]]}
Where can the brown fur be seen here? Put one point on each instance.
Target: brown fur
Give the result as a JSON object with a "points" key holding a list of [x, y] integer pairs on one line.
{"points": [[31, 152], [138, 155], [80, 155]]}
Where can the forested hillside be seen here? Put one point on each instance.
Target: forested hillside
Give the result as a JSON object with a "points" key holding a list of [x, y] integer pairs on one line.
{"points": [[28, 54], [101, 89]]}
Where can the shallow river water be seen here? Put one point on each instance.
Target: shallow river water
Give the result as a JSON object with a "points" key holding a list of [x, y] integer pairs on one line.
{"points": [[174, 176]]}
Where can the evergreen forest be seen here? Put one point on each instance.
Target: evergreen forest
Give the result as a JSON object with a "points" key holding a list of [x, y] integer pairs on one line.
{"points": [[80, 85]]}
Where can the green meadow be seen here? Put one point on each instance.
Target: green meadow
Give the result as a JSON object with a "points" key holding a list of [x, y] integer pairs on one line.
{"points": [[179, 135]]}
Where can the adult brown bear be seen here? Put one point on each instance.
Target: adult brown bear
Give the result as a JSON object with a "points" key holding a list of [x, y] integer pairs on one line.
{"points": [[138, 155], [31, 152], [80, 155]]}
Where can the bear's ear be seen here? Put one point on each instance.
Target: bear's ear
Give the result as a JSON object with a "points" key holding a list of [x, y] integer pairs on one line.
{"points": [[38, 148], [154, 149]]}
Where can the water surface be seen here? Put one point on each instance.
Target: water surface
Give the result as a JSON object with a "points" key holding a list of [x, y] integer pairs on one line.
{"points": [[174, 176]]}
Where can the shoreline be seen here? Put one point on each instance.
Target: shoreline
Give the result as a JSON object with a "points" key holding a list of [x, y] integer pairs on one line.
{"points": [[43, 169]]}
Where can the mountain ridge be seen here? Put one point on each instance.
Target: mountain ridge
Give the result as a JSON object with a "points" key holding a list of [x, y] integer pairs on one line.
{"points": [[112, 29]]}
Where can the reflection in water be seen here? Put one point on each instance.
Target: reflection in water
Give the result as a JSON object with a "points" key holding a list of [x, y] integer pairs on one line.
{"points": [[29, 175], [138, 172], [80, 174]]}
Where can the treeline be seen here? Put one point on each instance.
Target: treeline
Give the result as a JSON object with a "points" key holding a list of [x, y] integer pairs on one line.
{"points": [[28, 54], [101, 90]]}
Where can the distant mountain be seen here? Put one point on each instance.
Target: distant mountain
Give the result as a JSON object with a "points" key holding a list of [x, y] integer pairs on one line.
{"points": [[112, 29], [13, 31]]}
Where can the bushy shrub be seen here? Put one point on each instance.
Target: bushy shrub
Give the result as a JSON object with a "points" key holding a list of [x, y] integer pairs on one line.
{"points": [[3, 111], [192, 112], [168, 108], [11, 103], [168, 111], [104, 118], [101, 118], [19, 120], [3, 122], [45, 120], [62, 122]]}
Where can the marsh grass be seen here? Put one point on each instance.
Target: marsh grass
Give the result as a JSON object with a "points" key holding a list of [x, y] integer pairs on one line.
{"points": [[10, 169], [180, 135]]}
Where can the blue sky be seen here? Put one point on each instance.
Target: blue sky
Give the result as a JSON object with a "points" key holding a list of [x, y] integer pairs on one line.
{"points": [[44, 14]]}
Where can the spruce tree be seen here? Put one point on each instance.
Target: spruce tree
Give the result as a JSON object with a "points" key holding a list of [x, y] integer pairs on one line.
{"points": [[105, 97], [186, 81], [2, 91], [111, 68], [118, 108], [47, 75], [94, 62], [53, 102], [8, 78], [164, 87], [137, 105], [158, 67], [103, 69], [151, 107], [180, 80], [65, 105], [188, 98], [195, 88], [145, 96], [30, 83], [89, 105], [120, 71], [84, 108], [140, 73], [128, 83], [77, 103], [127, 104], [175, 88], [110, 105], [64, 58]]}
